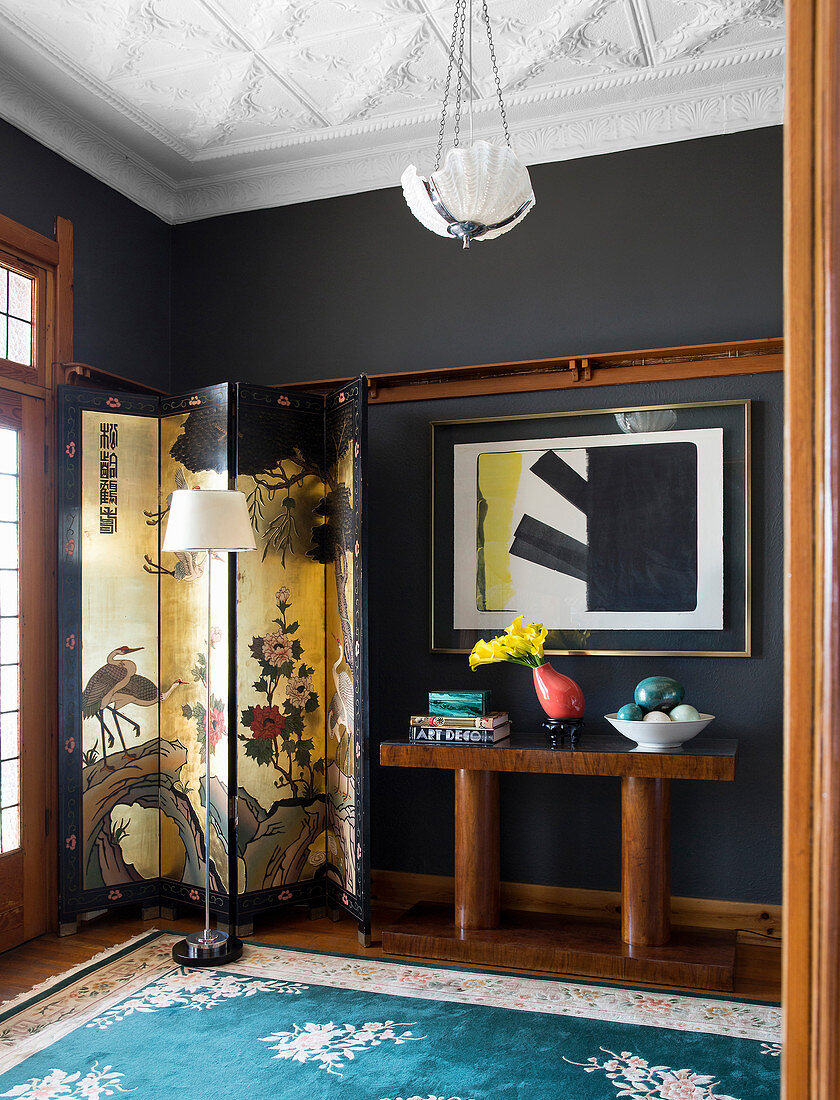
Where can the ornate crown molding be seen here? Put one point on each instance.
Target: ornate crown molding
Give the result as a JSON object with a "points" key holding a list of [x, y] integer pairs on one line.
{"points": [[743, 106], [60, 129], [322, 173]]}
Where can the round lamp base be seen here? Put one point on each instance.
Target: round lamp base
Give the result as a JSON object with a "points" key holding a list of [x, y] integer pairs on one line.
{"points": [[199, 949]]}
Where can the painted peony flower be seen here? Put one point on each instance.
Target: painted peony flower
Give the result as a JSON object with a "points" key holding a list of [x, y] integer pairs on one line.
{"points": [[267, 722], [298, 690], [282, 596], [217, 725], [276, 648]]}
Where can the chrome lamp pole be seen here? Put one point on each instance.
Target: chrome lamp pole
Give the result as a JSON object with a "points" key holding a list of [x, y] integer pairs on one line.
{"points": [[208, 520]]}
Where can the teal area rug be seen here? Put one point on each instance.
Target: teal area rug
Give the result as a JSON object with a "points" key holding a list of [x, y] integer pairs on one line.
{"points": [[296, 1025]]}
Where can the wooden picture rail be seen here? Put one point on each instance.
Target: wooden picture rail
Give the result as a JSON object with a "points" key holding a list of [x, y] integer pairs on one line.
{"points": [[83, 374], [567, 372]]}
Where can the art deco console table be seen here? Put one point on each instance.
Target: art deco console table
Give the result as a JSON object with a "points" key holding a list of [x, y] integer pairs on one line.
{"points": [[645, 948]]}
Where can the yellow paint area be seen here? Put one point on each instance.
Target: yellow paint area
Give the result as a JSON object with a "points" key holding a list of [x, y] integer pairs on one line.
{"points": [[498, 483], [137, 829]]}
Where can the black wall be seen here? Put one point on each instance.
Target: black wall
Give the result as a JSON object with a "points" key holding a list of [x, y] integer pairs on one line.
{"points": [[677, 244], [655, 247], [671, 245], [122, 257], [565, 830]]}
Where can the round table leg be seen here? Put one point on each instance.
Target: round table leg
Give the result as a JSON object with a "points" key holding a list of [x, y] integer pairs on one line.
{"points": [[476, 849], [645, 861]]}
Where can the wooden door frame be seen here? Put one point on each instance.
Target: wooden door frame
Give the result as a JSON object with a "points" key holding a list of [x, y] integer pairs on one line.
{"points": [[811, 974], [55, 256]]}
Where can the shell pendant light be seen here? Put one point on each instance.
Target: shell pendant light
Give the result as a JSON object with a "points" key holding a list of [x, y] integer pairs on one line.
{"points": [[482, 190]]}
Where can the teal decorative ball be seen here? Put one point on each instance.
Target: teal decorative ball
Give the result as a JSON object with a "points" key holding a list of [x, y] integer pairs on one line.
{"points": [[658, 693], [630, 713], [685, 712]]}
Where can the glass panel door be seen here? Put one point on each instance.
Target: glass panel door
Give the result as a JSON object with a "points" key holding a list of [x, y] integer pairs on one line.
{"points": [[9, 642], [24, 740]]}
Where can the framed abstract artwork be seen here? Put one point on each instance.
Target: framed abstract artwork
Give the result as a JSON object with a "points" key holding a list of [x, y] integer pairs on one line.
{"points": [[622, 530]]}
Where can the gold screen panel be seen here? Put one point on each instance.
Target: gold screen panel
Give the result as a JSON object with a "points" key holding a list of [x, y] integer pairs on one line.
{"points": [[120, 730]]}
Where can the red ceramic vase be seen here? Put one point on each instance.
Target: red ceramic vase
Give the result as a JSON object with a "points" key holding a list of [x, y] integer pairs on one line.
{"points": [[559, 696]]}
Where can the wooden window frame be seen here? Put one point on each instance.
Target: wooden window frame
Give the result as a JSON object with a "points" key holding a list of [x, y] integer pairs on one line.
{"points": [[36, 373], [52, 260]]}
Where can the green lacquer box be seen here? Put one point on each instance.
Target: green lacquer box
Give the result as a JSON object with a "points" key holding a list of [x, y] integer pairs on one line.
{"points": [[464, 704]]}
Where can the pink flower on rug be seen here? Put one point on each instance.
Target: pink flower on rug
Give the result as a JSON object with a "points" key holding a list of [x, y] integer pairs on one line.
{"points": [[654, 1004], [70, 449], [284, 895], [680, 1085], [113, 403], [70, 842], [70, 641], [70, 744], [114, 895], [195, 400], [283, 400], [194, 895], [70, 547]]}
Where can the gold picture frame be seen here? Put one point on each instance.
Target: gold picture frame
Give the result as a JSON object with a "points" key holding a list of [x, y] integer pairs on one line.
{"points": [[731, 417]]}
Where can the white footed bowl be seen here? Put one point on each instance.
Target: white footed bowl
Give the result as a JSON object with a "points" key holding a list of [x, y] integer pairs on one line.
{"points": [[659, 736]]}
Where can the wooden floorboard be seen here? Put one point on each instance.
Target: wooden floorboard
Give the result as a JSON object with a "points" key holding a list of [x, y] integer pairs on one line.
{"points": [[757, 972]]}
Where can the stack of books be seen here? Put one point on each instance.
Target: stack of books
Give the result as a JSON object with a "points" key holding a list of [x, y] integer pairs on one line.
{"points": [[459, 718]]}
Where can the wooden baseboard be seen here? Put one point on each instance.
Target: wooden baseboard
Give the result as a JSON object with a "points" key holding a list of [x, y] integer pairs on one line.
{"points": [[753, 923]]}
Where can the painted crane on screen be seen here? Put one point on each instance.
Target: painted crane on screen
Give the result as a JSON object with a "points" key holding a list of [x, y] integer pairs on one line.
{"points": [[117, 685]]}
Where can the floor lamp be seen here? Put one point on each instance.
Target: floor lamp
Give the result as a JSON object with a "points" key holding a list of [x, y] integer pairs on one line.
{"points": [[208, 520]]}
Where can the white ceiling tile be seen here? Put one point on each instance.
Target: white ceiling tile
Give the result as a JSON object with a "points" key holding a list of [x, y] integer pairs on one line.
{"points": [[228, 104], [269, 22], [214, 106], [689, 27], [541, 42], [360, 76], [116, 38]]}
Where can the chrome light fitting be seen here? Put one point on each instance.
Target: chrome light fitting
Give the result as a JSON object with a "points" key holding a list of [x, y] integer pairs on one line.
{"points": [[483, 190]]}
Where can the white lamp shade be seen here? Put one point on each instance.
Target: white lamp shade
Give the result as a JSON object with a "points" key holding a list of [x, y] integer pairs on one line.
{"points": [[208, 519]]}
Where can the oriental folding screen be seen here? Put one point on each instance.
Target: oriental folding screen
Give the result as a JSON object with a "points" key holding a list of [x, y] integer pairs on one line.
{"points": [[287, 659]]}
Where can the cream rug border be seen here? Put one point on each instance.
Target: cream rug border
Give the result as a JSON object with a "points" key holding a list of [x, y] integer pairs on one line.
{"points": [[36, 1019]]}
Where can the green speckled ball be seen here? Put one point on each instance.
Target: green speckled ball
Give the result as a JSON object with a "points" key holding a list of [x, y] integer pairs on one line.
{"points": [[630, 713], [658, 693]]}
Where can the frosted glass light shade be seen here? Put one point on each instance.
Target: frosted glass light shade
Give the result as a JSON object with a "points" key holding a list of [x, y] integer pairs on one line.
{"points": [[481, 192], [647, 420], [208, 519]]}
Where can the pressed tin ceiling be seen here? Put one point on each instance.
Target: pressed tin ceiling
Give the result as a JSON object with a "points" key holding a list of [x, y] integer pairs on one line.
{"points": [[201, 107]]}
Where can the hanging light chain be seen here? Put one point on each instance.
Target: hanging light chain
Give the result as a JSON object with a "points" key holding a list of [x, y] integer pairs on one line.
{"points": [[447, 86], [496, 78], [461, 6], [456, 61]]}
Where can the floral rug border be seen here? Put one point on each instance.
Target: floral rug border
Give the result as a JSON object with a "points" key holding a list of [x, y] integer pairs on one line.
{"points": [[63, 1003]]}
